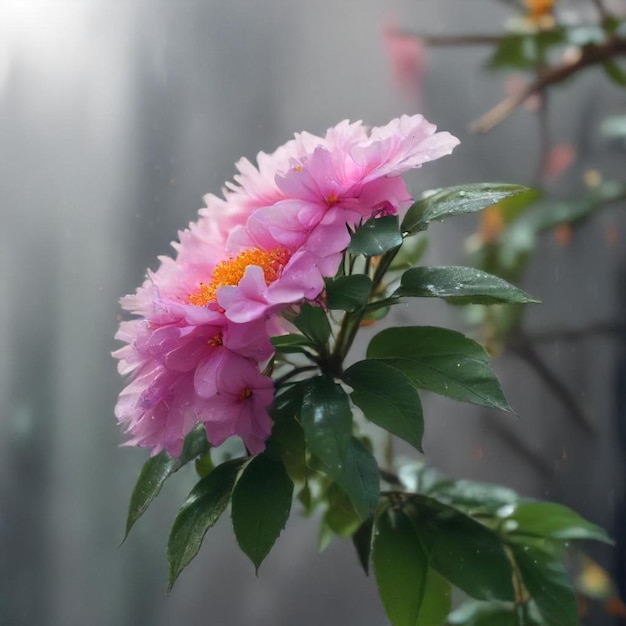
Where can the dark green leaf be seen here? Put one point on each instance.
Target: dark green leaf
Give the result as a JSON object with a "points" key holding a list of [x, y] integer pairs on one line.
{"points": [[442, 361], [313, 323], [261, 506], [464, 551], [327, 421], [201, 510], [362, 540], [387, 398], [348, 293], [376, 236], [455, 201], [548, 584], [413, 594], [291, 343], [459, 285], [287, 439], [548, 519], [158, 469], [359, 478]]}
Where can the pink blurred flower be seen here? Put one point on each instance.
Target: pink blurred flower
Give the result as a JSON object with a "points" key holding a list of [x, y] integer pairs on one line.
{"points": [[559, 159], [406, 55]]}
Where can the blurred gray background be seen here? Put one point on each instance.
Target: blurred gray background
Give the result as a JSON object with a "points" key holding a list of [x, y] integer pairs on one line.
{"points": [[116, 117]]}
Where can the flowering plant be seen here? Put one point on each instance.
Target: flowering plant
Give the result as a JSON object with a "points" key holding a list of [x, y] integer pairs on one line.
{"points": [[247, 333]]}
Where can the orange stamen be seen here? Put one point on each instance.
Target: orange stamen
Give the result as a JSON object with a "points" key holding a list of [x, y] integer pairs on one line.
{"points": [[245, 393], [231, 271]]}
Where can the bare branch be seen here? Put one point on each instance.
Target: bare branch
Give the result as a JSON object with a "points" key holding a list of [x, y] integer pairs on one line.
{"points": [[590, 55]]}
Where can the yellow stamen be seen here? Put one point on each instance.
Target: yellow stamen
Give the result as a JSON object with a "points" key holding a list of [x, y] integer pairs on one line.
{"points": [[216, 340], [331, 200], [231, 271], [244, 394]]}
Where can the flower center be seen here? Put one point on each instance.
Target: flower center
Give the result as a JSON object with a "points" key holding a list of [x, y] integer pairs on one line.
{"points": [[231, 271], [216, 340], [245, 393], [332, 200]]}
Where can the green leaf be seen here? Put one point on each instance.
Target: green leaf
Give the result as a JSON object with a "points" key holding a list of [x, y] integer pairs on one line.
{"points": [[548, 584], [201, 510], [615, 73], [261, 506], [411, 592], [291, 343], [513, 51], [388, 399], [362, 540], [287, 439], [348, 293], [313, 323], [464, 551], [548, 519], [459, 285], [474, 497], [474, 613], [327, 421], [376, 236], [442, 361], [340, 515], [158, 469], [455, 201], [359, 478]]}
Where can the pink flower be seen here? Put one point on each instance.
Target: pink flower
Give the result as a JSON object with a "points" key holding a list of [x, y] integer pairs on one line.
{"points": [[178, 374], [347, 178], [206, 317]]}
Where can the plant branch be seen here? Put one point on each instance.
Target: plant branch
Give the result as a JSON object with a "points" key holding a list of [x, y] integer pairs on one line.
{"points": [[591, 54], [574, 334], [524, 350]]}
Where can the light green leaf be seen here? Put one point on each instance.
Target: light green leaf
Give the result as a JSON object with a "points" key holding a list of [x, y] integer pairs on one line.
{"points": [[388, 399], [327, 421], [442, 361], [348, 293], [376, 236], [548, 584], [474, 613], [459, 285], [201, 510], [548, 519], [455, 201], [158, 469], [261, 506]]}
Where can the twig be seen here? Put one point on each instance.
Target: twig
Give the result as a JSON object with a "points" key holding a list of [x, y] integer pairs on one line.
{"points": [[572, 334], [602, 10], [457, 40], [524, 350], [591, 54], [521, 448]]}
